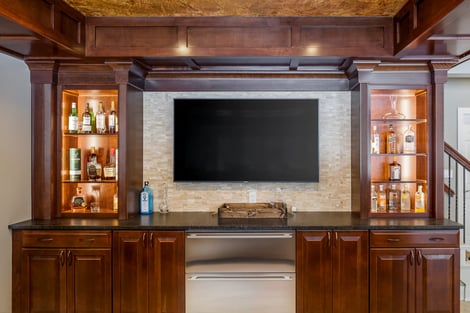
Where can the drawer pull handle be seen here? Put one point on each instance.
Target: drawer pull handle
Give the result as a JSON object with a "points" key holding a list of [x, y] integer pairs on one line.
{"points": [[87, 239], [420, 258], [48, 239], [436, 239], [393, 239], [61, 257]]}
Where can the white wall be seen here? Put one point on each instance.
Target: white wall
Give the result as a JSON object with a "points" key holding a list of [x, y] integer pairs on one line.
{"points": [[15, 161]]}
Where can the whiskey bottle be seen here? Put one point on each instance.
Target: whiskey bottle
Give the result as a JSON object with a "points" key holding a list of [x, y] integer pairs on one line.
{"points": [[86, 120], [381, 199], [405, 199], [73, 119], [93, 166], [375, 141], [373, 199], [391, 140], [78, 200], [409, 142], [92, 119], [394, 170], [419, 200], [146, 199], [112, 119], [109, 170], [393, 198], [100, 119], [75, 170]]}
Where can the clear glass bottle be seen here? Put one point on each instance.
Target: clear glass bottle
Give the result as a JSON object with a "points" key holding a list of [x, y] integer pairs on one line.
{"points": [[391, 140], [112, 119], [394, 170], [375, 141], [100, 119], [409, 140], [419, 200], [393, 114], [86, 120], [164, 204], [146, 199], [393, 198], [381, 199], [109, 170], [73, 119], [373, 199], [405, 203]]}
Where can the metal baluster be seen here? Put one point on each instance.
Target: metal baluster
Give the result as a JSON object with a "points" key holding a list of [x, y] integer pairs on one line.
{"points": [[449, 187], [464, 201]]}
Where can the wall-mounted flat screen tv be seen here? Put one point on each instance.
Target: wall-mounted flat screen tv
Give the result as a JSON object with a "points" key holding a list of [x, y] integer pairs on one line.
{"points": [[246, 140]]}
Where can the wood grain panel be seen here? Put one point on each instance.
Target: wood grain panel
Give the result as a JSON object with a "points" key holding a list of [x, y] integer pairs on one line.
{"points": [[239, 37], [136, 36], [342, 36]]}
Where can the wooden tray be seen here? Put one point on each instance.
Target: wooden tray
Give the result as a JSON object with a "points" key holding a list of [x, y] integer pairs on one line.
{"points": [[253, 210]]}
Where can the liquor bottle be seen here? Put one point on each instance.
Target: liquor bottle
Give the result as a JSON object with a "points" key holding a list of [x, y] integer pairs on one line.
{"points": [[373, 199], [375, 141], [112, 119], [100, 119], [92, 119], [109, 170], [146, 199], [419, 200], [393, 114], [86, 120], [381, 199], [93, 166], [391, 140], [78, 200], [409, 143], [73, 119], [405, 203], [393, 198], [394, 170], [115, 202], [75, 164]]}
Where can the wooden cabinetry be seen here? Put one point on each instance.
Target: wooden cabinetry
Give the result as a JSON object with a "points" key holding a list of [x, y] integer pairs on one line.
{"points": [[149, 272], [332, 271], [62, 272], [414, 272]]}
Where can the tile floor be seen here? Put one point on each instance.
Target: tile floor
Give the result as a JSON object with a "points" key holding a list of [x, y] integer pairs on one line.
{"points": [[464, 307]]}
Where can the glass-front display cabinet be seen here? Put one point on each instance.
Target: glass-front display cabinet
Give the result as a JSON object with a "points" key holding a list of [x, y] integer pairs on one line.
{"points": [[89, 153], [399, 148]]}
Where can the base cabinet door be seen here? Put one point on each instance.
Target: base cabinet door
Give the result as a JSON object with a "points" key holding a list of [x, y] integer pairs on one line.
{"points": [[149, 272], [332, 271], [414, 272]]}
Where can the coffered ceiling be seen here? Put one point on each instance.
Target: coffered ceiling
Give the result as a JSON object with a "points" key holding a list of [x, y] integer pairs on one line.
{"points": [[237, 7]]}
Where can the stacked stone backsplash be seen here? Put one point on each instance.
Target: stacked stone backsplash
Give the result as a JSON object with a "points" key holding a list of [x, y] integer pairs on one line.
{"points": [[332, 193]]}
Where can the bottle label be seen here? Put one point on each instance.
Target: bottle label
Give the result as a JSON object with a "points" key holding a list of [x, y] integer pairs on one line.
{"points": [[144, 202], [100, 122], [73, 124], [395, 172], [111, 120], [75, 164]]}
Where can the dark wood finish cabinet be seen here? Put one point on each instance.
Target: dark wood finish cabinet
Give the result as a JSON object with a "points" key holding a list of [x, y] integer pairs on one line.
{"points": [[414, 272], [149, 272], [70, 273], [332, 271]]}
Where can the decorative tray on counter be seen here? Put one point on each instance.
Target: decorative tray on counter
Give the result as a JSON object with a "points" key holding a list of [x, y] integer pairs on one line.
{"points": [[253, 210]]}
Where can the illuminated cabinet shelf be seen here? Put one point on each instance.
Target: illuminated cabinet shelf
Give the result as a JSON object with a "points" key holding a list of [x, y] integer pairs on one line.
{"points": [[397, 100]]}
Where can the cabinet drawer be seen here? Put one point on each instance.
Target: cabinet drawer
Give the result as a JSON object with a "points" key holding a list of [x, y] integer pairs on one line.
{"points": [[414, 238], [69, 239]]}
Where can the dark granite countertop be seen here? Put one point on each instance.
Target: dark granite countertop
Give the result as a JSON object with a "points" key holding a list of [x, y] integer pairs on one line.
{"points": [[211, 222]]}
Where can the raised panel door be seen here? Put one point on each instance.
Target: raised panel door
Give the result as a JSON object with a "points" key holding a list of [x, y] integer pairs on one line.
{"points": [[89, 283], [350, 272], [392, 280], [437, 280], [166, 272], [130, 253], [43, 279], [314, 272]]}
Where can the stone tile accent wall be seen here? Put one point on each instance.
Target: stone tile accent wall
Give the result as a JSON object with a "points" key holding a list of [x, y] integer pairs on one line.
{"points": [[332, 193]]}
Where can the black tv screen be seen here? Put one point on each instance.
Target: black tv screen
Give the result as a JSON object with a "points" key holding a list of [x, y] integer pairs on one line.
{"points": [[246, 140]]}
